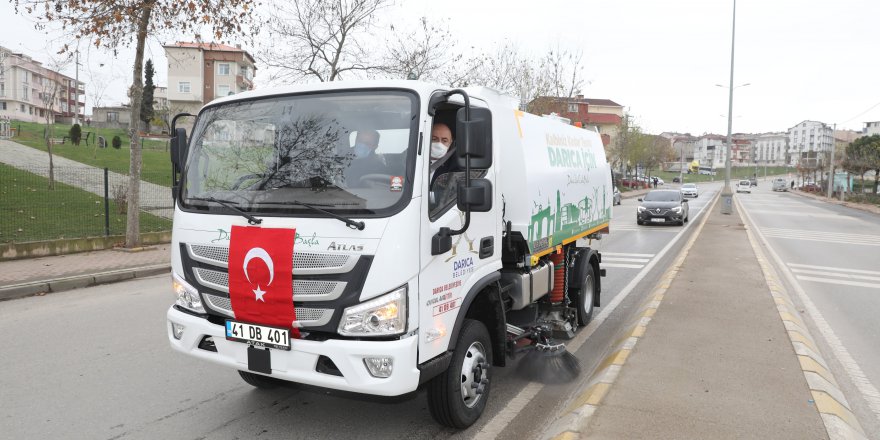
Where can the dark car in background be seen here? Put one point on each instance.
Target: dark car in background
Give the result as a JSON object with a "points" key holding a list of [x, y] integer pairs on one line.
{"points": [[663, 206]]}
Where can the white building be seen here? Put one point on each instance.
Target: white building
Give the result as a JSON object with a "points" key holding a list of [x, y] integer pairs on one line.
{"points": [[771, 149], [872, 128], [200, 72], [709, 150], [808, 138], [28, 90]]}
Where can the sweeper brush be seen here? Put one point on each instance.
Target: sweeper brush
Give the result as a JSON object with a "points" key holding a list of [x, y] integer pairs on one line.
{"points": [[551, 364], [542, 360]]}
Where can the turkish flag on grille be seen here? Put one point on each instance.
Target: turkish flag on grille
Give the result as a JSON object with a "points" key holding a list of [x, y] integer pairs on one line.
{"points": [[261, 275]]}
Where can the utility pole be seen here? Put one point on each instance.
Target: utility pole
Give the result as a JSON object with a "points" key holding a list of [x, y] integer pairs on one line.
{"points": [[831, 164], [681, 165], [76, 92], [726, 193]]}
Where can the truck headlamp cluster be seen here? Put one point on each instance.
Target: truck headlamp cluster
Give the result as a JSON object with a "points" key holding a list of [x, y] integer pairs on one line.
{"points": [[187, 296], [382, 316]]}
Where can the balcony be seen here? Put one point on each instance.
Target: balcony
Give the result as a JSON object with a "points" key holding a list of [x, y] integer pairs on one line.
{"points": [[243, 82]]}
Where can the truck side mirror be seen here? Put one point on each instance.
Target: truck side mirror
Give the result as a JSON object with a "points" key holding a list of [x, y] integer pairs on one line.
{"points": [[473, 138], [477, 197], [178, 158]]}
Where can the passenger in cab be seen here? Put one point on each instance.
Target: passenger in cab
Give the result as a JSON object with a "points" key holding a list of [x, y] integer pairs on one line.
{"points": [[366, 161]]}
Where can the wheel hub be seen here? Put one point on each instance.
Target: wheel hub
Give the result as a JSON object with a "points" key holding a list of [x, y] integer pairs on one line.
{"points": [[474, 374]]}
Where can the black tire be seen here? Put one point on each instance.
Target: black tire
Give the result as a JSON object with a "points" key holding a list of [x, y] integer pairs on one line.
{"points": [[260, 381], [448, 403], [639, 222], [585, 296]]}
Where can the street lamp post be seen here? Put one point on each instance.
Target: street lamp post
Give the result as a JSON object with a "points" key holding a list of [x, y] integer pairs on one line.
{"points": [[726, 193]]}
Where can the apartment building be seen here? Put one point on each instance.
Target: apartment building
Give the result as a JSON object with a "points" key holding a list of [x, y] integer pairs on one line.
{"points": [[28, 90], [872, 128], [772, 149], [200, 72], [809, 140], [709, 150]]}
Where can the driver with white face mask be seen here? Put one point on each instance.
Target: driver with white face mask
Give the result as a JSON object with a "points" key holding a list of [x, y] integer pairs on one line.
{"points": [[442, 151]]}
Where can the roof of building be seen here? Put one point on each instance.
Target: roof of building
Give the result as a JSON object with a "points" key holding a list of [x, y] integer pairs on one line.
{"points": [[218, 47], [602, 118], [580, 100], [608, 102]]}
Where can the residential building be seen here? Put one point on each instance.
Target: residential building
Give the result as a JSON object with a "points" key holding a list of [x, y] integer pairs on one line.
{"points": [[742, 151], [809, 140], [201, 72], [772, 149], [709, 150], [872, 128], [118, 116], [28, 90], [603, 115]]}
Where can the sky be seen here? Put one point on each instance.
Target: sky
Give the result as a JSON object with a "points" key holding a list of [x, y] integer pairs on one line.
{"points": [[803, 59]]}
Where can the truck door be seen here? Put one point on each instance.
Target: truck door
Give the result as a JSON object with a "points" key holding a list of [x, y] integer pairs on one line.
{"points": [[446, 278]]}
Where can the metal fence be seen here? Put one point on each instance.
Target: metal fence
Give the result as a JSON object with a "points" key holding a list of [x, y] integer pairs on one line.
{"points": [[83, 202]]}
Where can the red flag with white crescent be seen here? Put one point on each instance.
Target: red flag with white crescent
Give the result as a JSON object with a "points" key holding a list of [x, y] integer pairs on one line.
{"points": [[261, 275]]}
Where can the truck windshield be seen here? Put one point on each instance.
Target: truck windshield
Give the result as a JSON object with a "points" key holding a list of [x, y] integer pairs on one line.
{"points": [[351, 153]]}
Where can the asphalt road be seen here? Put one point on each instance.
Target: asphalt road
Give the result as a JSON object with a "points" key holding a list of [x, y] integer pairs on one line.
{"points": [[95, 363], [828, 255]]}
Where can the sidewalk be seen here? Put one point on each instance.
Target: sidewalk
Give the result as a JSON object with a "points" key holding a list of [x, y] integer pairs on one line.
{"points": [[25, 277], [718, 353]]}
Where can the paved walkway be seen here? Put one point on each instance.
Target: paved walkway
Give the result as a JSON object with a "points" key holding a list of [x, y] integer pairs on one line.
{"points": [[155, 199]]}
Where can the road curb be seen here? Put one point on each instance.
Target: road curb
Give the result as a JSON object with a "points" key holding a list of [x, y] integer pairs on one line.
{"points": [[833, 408], [573, 425], [77, 281]]}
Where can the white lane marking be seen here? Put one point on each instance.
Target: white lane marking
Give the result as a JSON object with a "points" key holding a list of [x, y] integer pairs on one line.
{"points": [[857, 239], [625, 260], [839, 282], [826, 234], [837, 269], [835, 274], [624, 266], [501, 419], [857, 376], [620, 254]]}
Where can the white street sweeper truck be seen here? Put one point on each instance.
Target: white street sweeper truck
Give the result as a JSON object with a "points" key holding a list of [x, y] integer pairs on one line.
{"points": [[378, 237]]}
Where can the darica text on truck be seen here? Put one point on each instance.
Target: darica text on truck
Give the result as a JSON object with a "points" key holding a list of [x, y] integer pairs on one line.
{"points": [[317, 241]]}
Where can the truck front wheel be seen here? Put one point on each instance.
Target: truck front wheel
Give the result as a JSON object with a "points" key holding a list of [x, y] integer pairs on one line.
{"points": [[457, 397], [585, 296]]}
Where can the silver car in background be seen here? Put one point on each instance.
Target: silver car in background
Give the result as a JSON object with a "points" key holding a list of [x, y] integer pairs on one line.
{"points": [[779, 184], [690, 190]]}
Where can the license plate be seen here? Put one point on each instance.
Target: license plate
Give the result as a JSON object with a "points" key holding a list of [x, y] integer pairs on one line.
{"points": [[658, 220], [258, 335]]}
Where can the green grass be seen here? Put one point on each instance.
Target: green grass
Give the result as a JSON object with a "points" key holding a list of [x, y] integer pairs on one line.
{"points": [[29, 211], [156, 160]]}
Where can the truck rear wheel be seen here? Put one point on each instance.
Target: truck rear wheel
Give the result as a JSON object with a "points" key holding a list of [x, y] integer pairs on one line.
{"points": [[457, 397], [260, 381], [585, 296]]}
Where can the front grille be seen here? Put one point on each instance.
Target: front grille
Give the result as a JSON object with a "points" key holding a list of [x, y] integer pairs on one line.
{"points": [[304, 263], [303, 290], [305, 316]]}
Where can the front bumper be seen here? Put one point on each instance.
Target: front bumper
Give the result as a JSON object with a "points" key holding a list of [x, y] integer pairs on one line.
{"points": [[688, 194], [652, 217], [300, 363]]}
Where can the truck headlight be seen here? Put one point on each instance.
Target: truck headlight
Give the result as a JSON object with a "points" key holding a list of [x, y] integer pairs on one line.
{"points": [[187, 296], [382, 316]]}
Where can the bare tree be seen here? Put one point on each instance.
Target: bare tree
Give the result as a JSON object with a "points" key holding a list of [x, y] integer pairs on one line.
{"points": [[119, 23], [50, 88], [562, 68], [427, 53], [321, 39]]}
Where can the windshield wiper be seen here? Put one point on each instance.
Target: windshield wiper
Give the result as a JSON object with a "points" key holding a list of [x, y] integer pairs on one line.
{"points": [[349, 222], [230, 205]]}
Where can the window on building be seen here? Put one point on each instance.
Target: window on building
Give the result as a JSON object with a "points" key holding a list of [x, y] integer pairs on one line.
{"points": [[572, 108], [24, 92], [2, 89], [30, 110], [23, 109], [2, 106], [183, 87], [112, 116], [223, 69], [223, 90]]}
